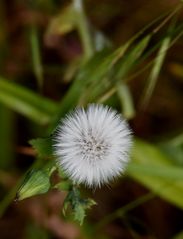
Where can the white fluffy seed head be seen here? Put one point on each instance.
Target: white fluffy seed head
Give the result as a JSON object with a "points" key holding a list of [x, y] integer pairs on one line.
{"points": [[92, 145]]}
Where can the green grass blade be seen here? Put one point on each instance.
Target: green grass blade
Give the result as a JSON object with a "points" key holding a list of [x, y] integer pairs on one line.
{"points": [[36, 56], [95, 76], [93, 71], [178, 236], [83, 28], [126, 64], [149, 157], [26, 102], [119, 69], [153, 77], [126, 100], [164, 172], [174, 148]]}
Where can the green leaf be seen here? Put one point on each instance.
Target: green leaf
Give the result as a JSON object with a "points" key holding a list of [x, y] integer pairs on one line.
{"points": [[81, 207], [26, 102], [35, 182], [166, 172], [153, 168], [174, 148], [79, 213], [77, 204], [43, 146]]}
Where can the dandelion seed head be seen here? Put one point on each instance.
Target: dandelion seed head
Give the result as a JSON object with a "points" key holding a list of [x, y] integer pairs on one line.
{"points": [[92, 145]]}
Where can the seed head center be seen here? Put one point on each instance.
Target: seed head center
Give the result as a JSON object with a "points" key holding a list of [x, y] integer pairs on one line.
{"points": [[93, 148]]}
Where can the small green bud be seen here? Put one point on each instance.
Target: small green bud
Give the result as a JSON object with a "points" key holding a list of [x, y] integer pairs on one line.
{"points": [[36, 182]]}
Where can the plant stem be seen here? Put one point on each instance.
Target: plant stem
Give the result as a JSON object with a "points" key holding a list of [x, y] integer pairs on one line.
{"points": [[83, 28], [36, 57], [121, 211]]}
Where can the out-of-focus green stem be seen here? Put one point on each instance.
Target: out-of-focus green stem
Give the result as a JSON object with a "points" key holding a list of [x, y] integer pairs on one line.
{"points": [[83, 28], [6, 138], [121, 211], [36, 57], [178, 8], [6, 115], [3, 35], [151, 82], [125, 97]]}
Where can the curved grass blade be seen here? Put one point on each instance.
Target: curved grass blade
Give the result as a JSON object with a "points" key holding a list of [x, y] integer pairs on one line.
{"points": [[36, 57], [161, 172], [26, 102]]}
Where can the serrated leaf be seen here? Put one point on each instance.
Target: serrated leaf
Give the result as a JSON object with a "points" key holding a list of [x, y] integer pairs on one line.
{"points": [[77, 204], [81, 207], [79, 213]]}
